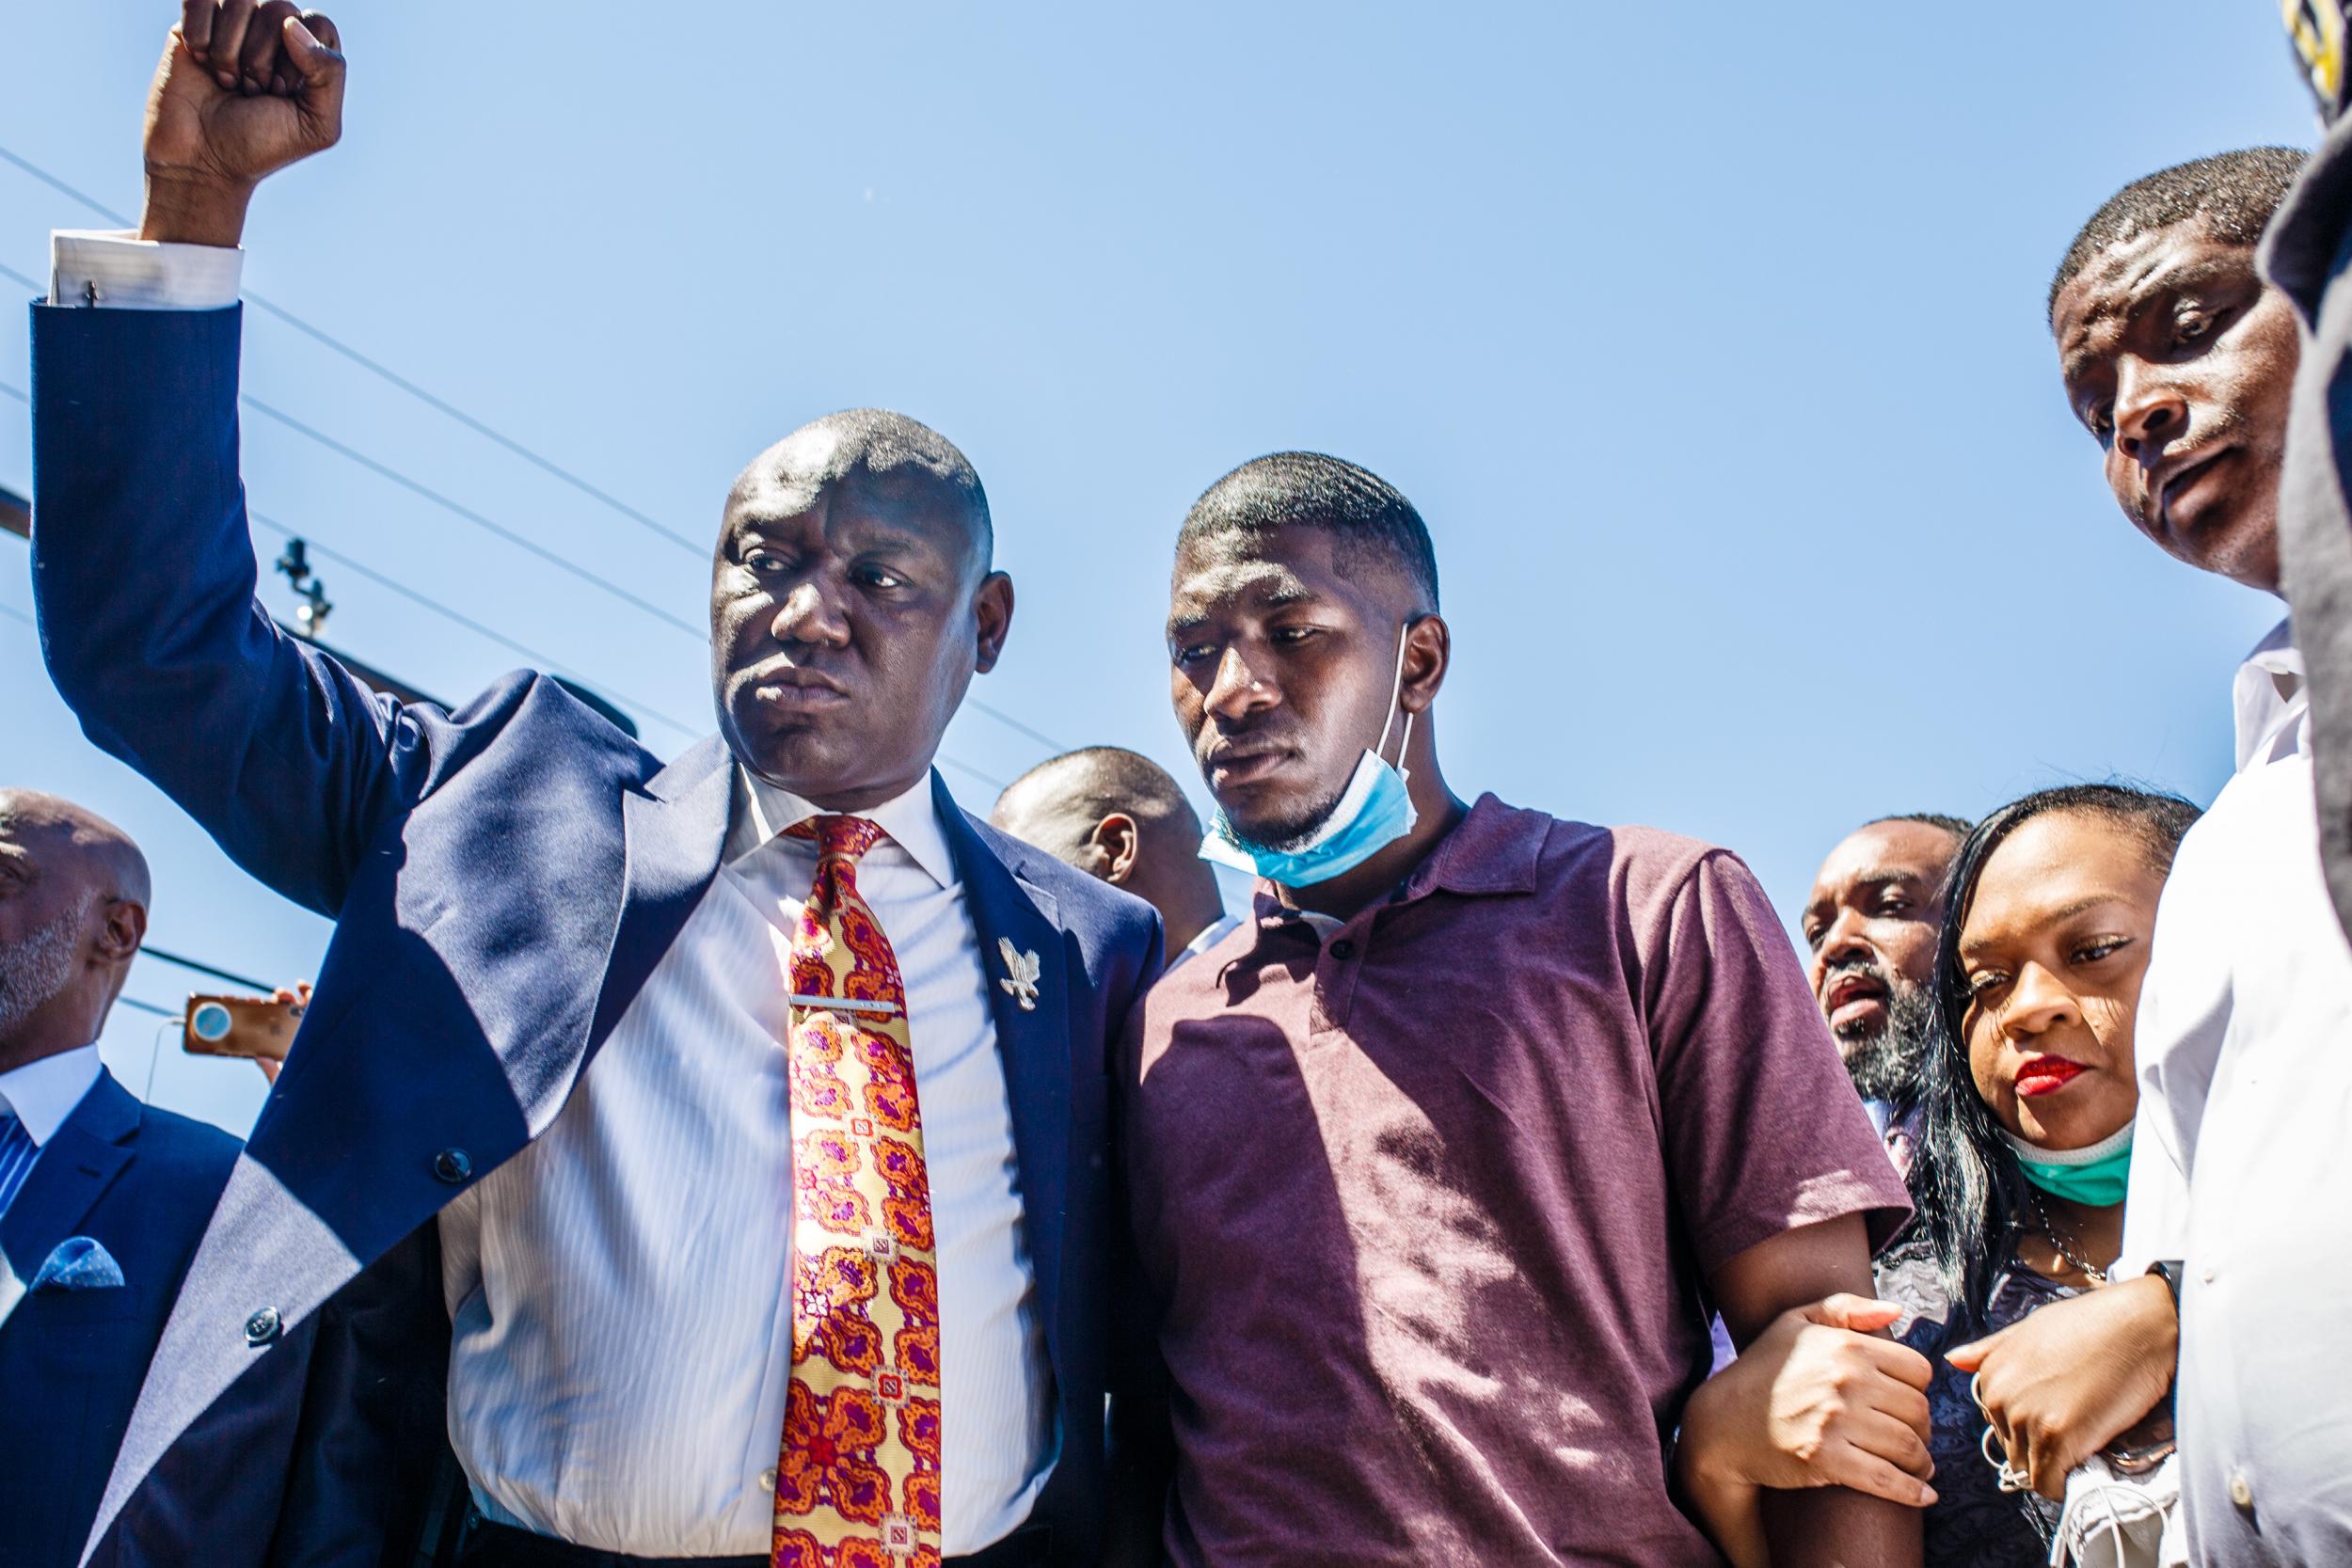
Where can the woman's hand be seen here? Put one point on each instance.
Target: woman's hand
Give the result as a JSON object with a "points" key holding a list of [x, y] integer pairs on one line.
{"points": [[1818, 1399], [2064, 1382]]}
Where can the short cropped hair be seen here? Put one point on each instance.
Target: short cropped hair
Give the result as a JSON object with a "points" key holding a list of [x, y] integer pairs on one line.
{"points": [[897, 451], [1307, 489], [2236, 192], [1956, 826], [1096, 780]]}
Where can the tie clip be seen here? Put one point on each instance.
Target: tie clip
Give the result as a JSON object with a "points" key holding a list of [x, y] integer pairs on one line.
{"points": [[841, 1004]]}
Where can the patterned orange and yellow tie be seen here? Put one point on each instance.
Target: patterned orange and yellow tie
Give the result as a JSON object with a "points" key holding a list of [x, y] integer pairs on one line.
{"points": [[857, 1477]]}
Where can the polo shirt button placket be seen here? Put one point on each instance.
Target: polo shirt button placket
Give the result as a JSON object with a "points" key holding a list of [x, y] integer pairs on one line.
{"points": [[1335, 979]]}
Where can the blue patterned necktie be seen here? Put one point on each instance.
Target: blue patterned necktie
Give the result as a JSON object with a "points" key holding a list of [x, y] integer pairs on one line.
{"points": [[17, 1152]]}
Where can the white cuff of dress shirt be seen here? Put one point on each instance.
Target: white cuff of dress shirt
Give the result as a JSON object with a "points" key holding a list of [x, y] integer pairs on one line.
{"points": [[118, 269]]}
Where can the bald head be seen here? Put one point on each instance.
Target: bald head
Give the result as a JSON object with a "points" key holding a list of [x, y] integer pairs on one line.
{"points": [[884, 454], [1118, 815], [73, 899], [88, 847]]}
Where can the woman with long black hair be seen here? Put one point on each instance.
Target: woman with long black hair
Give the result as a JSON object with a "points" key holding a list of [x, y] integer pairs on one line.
{"points": [[2027, 1099]]}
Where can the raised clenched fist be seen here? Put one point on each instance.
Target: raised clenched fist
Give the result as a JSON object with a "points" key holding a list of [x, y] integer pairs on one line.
{"points": [[245, 89]]}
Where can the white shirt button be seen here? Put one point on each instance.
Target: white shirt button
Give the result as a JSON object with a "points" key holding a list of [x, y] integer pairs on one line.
{"points": [[2205, 1273], [2241, 1490], [766, 1481]]}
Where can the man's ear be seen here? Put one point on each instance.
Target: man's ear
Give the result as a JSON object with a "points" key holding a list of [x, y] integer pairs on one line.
{"points": [[1120, 841], [1428, 651], [992, 607], [126, 928]]}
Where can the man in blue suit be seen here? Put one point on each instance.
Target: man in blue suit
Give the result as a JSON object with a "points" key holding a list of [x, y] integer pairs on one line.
{"points": [[574, 1042], [102, 1200]]}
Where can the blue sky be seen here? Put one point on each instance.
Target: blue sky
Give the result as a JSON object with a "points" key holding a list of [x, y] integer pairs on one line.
{"points": [[1712, 350]]}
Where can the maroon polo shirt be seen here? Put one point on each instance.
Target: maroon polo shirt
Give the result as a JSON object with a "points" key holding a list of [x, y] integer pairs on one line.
{"points": [[1428, 1203]]}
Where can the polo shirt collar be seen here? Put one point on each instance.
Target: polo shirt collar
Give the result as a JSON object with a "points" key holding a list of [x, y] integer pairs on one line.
{"points": [[1493, 850], [911, 821], [42, 1094]]}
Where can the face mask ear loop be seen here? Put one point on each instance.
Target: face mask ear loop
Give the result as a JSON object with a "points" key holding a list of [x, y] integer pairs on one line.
{"points": [[1396, 692]]}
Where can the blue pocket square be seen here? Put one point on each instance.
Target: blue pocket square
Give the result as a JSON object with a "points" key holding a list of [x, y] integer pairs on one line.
{"points": [[79, 1263]]}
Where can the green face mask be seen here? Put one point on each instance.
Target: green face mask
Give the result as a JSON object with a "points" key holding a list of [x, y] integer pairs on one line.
{"points": [[2094, 1175]]}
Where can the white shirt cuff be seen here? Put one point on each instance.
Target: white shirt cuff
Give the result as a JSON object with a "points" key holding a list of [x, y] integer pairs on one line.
{"points": [[117, 269]]}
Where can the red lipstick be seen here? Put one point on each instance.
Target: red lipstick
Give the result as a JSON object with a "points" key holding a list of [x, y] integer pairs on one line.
{"points": [[2046, 1075]]}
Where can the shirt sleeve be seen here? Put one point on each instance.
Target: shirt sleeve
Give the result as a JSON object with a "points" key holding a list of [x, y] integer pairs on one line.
{"points": [[116, 269], [1762, 1129]]}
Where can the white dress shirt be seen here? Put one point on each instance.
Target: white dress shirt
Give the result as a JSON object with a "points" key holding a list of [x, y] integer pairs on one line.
{"points": [[2245, 1060], [621, 1339], [42, 1094]]}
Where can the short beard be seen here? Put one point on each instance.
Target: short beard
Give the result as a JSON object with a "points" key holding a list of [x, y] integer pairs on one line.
{"points": [[37, 969], [1285, 832], [1887, 1065]]}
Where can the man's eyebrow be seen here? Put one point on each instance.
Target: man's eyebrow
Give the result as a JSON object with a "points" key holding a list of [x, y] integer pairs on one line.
{"points": [[2152, 286], [1881, 878]]}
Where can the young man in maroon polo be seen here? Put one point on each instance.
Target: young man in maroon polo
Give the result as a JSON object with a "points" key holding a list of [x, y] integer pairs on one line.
{"points": [[1439, 1161]]}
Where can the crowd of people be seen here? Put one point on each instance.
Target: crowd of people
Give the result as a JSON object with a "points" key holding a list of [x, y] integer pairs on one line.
{"points": [[759, 1157]]}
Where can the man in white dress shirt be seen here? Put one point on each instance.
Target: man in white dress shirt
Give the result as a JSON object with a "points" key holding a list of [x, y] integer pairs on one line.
{"points": [[1117, 816], [2237, 1248], [701, 1301]]}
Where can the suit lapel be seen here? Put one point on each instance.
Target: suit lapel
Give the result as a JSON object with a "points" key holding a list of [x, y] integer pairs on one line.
{"points": [[676, 831], [1033, 1042], [75, 1167]]}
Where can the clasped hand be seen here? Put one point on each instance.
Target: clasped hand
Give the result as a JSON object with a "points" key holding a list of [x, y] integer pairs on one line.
{"points": [[1818, 1399], [2059, 1385]]}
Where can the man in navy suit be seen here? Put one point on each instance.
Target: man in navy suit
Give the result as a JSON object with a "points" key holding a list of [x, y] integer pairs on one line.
{"points": [[102, 1200], [575, 1005]]}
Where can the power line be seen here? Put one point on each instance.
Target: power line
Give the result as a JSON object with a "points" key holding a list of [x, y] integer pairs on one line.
{"points": [[439, 404], [1011, 723], [151, 951], [538, 660], [15, 615], [467, 513], [457, 509], [138, 1006]]}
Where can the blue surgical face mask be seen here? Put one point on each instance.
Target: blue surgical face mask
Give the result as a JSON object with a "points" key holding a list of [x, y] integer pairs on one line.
{"points": [[2095, 1175], [1373, 811]]}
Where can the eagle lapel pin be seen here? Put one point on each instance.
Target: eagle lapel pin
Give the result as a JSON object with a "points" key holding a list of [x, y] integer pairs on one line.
{"points": [[1020, 981]]}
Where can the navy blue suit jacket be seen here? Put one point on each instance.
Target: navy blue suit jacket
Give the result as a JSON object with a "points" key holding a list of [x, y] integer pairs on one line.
{"points": [[503, 879], [141, 1183]]}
